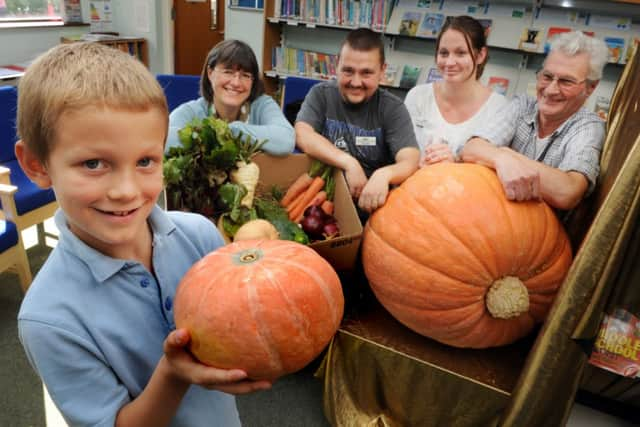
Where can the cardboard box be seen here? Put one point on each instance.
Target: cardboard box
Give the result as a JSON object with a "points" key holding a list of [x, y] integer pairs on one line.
{"points": [[341, 251]]}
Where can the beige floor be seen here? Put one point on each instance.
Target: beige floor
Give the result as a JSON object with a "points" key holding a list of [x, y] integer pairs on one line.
{"points": [[581, 416]]}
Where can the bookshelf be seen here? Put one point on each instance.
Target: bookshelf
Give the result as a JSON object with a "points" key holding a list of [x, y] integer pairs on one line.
{"points": [[136, 47], [290, 26]]}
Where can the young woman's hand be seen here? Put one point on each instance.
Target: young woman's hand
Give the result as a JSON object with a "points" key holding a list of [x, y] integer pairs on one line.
{"points": [[437, 153], [186, 368]]}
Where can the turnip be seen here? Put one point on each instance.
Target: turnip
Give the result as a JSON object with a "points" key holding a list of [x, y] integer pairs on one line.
{"points": [[257, 229], [330, 230]]}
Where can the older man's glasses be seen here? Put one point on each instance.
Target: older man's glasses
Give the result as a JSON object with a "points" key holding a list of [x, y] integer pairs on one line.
{"points": [[229, 74], [545, 78]]}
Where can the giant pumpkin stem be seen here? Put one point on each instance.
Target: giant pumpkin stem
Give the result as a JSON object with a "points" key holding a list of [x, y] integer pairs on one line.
{"points": [[507, 298]]}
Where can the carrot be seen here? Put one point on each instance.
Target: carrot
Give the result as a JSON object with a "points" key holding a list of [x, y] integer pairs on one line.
{"points": [[327, 207], [308, 195], [295, 202], [299, 185], [317, 200]]}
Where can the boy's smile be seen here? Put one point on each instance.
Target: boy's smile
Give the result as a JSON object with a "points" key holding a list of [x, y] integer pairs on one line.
{"points": [[106, 169]]}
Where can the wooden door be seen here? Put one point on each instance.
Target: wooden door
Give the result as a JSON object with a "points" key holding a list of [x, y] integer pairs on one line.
{"points": [[194, 35]]}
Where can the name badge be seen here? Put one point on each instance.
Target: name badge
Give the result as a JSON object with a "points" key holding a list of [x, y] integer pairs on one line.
{"points": [[368, 141]]}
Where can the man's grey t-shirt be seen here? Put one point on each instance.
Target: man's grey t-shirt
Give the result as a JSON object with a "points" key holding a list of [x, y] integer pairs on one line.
{"points": [[373, 132]]}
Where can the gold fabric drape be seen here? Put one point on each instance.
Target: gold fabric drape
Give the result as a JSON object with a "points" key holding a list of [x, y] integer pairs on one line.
{"points": [[377, 373]]}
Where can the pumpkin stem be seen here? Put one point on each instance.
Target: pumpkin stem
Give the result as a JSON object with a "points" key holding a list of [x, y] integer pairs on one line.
{"points": [[507, 297], [248, 256]]}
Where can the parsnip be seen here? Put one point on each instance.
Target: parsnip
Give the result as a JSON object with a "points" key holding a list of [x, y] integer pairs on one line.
{"points": [[246, 174], [246, 171]]}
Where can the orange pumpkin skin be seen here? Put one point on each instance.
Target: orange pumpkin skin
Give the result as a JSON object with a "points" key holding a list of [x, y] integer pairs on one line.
{"points": [[433, 250], [266, 307]]}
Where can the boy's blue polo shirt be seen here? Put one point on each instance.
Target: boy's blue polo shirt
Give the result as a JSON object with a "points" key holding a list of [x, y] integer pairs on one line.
{"points": [[93, 326]]}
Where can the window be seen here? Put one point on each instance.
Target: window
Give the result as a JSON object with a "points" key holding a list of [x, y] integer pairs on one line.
{"points": [[27, 13]]}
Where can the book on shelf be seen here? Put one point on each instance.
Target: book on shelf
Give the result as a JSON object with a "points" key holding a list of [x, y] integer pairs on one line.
{"points": [[431, 24], [617, 346], [601, 107], [486, 24], [409, 76], [374, 14], [551, 33], [498, 84], [389, 76], [634, 43], [293, 61], [530, 39], [616, 47], [433, 75], [409, 23]]}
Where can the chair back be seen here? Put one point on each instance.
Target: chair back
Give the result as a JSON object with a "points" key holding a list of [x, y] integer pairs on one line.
{"points": [[179, 88], [8, 110], [294, 91], [29, 196]]}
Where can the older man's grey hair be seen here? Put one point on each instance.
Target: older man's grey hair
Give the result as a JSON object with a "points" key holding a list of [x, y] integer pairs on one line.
{"points": [[575, 42]]}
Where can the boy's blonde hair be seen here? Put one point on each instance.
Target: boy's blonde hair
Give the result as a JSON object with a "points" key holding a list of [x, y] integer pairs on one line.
{"points": [[70, 77]]}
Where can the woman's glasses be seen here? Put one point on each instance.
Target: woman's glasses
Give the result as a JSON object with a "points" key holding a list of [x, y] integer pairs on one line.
{"points": [[229, 74]]}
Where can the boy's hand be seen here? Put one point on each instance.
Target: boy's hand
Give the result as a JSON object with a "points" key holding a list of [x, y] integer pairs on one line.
{"points": [[189, 370]]}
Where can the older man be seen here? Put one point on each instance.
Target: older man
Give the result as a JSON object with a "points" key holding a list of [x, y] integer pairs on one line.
{"points": [[549, 148], [357, 127]]}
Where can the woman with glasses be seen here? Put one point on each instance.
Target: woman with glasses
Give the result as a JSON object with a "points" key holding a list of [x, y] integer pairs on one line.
{"points": [[231, 89], [446, 113], [548, 147]]}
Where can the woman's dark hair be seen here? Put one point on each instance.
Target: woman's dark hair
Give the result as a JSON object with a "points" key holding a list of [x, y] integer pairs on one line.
{"points": [[364, 40], [474, 34], [236, 55]]}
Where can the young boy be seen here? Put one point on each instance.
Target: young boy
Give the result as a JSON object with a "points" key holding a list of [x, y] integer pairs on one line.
{"points": [[97, 323]]}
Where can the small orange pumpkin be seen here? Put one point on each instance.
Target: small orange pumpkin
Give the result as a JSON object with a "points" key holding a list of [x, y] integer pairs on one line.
{"points": [[268, 307], [451, 258]]}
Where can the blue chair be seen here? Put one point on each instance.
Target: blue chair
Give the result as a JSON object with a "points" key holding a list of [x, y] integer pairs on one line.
{"points": [[294, 90], [179, 88], [12, 253], [33, 205]]}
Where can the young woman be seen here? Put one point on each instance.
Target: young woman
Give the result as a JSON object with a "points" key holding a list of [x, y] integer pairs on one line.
{"points": [[231, 89], [446, 113]]}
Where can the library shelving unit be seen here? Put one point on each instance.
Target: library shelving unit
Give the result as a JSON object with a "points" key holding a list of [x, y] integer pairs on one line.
{"points": [[136, 47], [512, 62]]}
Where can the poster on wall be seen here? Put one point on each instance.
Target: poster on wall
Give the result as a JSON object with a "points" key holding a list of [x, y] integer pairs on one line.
{"points": [[100, 13], [72, 11]]}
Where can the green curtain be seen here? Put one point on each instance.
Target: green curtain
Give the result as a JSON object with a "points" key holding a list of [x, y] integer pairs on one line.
{"points": [[377, 373]]}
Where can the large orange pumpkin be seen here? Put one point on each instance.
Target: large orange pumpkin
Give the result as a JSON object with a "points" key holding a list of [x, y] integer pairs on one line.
{"points": [[451, 258], [267, 307]]}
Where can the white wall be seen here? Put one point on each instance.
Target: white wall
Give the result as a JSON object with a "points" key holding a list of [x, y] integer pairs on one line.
{"points": [[246, 25], [151, 20], [138, 18]]}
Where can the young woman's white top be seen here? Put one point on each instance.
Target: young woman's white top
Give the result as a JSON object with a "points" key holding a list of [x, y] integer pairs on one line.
{"points": [[431, 128]]}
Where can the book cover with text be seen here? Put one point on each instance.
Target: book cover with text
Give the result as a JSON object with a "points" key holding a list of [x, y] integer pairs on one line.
{"points": [[410, 75], [433, 75], [389, 76], [409, 23], [530, 39], [616, 47], [551, 33], [617, 347], [431, 24], [499, 84]]}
